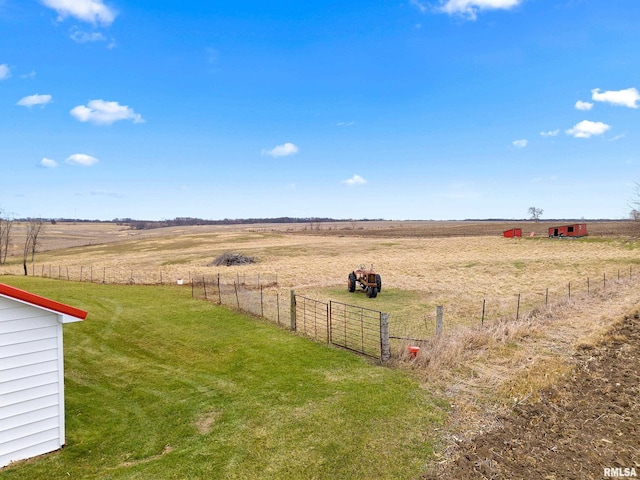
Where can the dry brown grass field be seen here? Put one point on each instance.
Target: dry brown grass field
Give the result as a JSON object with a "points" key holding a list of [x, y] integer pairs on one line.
{"points": [[467, 267], [570, 291]]}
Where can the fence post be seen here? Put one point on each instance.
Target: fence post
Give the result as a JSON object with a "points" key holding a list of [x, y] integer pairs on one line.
{"points": [[261, 304], [546, 298], [237, 298], [328, 307], [385, 345], [204, 286], [219, 294], [518, 309], [293, 310], [439, 319], [484, 304]]}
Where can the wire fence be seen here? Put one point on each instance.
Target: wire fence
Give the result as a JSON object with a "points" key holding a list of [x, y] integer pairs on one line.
{"points": [[120, 275], [257, 299], [260, 295], [486, 310]]}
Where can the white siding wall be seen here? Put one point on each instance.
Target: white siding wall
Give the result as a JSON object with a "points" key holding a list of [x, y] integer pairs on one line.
{"points": [[31, 381]]}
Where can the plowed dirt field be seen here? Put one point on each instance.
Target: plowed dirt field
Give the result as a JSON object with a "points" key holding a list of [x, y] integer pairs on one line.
{"points": [[581, 426]]}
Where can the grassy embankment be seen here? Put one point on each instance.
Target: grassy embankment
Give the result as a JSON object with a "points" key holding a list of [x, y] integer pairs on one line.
{"points": [[161, 386]]}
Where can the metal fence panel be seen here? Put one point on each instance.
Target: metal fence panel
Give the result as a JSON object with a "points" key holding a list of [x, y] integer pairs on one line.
{"points": [[312, 318], [355, 328]]}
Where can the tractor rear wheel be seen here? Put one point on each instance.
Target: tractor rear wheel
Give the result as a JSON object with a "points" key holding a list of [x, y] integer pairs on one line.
{"points": [[379, 282], [351, 283]]}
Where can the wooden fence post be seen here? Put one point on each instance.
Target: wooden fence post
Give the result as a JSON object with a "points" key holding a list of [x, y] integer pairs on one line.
{"points": [[385, 345], [237, 298], [439, 319], [293, 310]]}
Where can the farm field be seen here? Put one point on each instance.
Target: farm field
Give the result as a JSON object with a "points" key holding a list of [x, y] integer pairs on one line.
{"points": [[520, 314], [466, 267]]}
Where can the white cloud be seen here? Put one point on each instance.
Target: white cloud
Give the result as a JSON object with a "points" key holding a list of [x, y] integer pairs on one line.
{"points": [[82, 159], [626, 98], [106, 193], [31, 100], [91, 11], [470, 8], [48, 163], [283, 150], [346, 124], [5, 71], [355, 180], [79, 36], [580, 105], [520, 143], [586, 129], [105, 113], [550, 133], [419, 5]]}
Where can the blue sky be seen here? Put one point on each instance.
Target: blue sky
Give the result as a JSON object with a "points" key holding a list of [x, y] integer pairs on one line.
{"points": [[405, 109]]}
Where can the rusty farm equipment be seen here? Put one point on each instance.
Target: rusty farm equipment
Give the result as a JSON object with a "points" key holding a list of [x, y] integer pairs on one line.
{"points": [[367, 279]]}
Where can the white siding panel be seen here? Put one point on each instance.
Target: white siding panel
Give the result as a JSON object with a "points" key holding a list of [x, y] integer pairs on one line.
{"points": [[26, 406], [28, 425], [20, 324], [18, 396], [28, 418], [25, 383], [27, 447], [28, 371], [14, 309], [23, 348], [28, 359], [29, 452], [25, 336]]}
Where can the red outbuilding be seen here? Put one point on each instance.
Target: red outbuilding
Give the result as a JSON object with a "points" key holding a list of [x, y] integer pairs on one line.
{"points": [[513, 233], [575, 231]]}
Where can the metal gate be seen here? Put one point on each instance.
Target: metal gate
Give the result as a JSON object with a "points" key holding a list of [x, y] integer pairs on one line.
{"points": [[355, 328], [348, 326]]}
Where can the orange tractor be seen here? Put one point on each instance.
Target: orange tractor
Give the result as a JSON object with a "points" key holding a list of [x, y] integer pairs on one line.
{"points": [[368, 280]]}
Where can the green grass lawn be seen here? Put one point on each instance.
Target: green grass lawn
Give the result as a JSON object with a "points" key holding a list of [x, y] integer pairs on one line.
{"points": [[161, 386]]}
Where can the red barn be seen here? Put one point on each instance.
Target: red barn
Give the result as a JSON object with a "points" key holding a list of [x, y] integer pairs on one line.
{"points": [[512, 233], [576, 230]]}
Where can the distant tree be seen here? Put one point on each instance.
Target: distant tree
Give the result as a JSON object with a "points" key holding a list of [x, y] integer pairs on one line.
{"points": [[535, 213], [5, 235], [634, 214], [34, 227]]}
